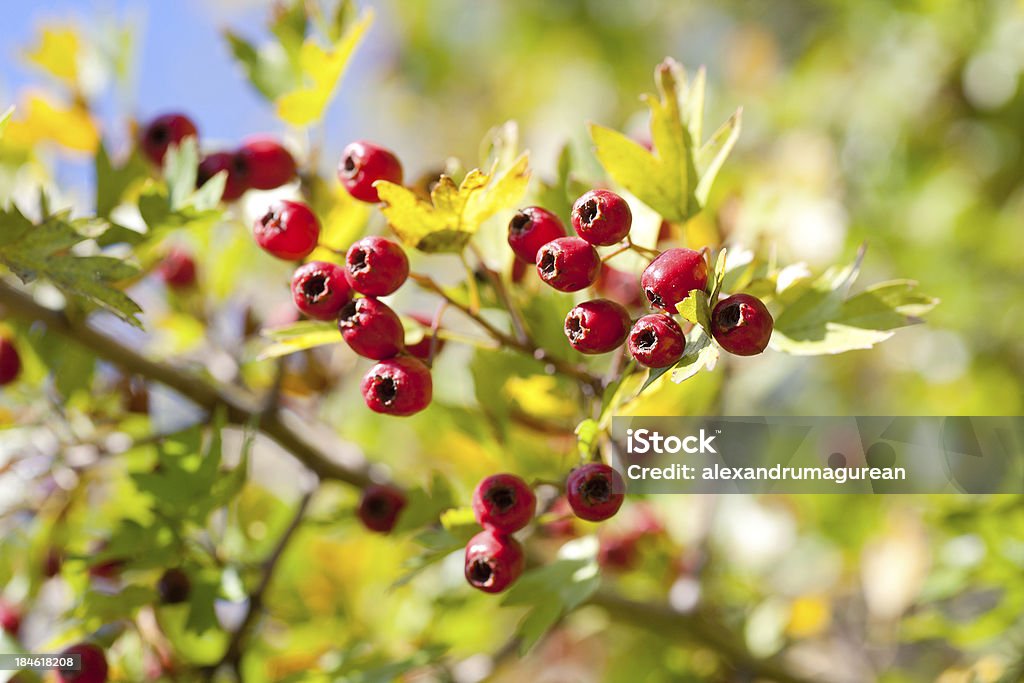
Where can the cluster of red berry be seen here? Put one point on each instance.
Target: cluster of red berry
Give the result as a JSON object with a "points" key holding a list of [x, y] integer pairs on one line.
{"points": [[10, 361]]}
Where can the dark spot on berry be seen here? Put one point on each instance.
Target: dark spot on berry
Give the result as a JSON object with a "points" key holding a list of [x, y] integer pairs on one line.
{"points": [[730, 316], [574, 327], [357, 261], [520, 222], [547, 263], [385, 390], [349, 165], [597, 489], [588, 212], [647, 340], [503, 497], [378, 507], [268, 218], [160, 134], [347, 315], [315, 287], [480, 572], [653, 298], [239, 165]]}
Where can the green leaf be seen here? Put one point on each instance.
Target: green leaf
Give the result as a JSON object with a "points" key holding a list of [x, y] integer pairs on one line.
{"points": [[715, 285], [700, 354], [695, 308], [181, 164], [455, 212], [113, 181], [300, 336], [201, 614], [587, 433], [713, 153], [268, 68]]}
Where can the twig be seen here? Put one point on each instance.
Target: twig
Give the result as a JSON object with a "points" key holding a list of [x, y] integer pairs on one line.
{"points": [[506, 299]]}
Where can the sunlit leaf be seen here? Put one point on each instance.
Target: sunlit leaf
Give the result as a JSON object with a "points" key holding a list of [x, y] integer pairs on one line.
{"points": [[303, 335], [57, 53]]}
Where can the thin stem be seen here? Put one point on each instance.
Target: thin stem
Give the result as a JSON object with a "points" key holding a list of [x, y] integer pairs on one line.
{"points": [[642, 250], [505, 297], [474, 291], [621, 250]]}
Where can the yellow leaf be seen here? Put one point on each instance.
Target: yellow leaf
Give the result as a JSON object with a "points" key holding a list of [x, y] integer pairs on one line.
{"points": [[344, 221], [454, 213], [44, 121], [322, 70], [57, 53], [808, 617]]}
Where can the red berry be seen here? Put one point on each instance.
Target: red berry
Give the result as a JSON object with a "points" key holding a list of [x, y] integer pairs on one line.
{"points": [[742, 325], [380, 506], [320, 289], [162, 132], [657, 341], [493, 561], [94, 665], [288, 230], [503, 503], [212, 164], [10, 362], [52, 562], [421, 349], [371, 329], [620, 286], [178, 269], [10, 619], [519, 270], [173, 586], [597, 326], [618, 552], [376, 266], [266, 162], [399, 386], [595, 491], [568, 264], [531, 229], [672, 276], [362, 164], [601, 217]]}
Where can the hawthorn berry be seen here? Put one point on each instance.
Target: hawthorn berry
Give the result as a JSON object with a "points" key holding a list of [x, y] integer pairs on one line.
{"points": [[52, 562], [601, 217], [376, 266], [742, 325], [371, 328], [657, 341], [568, 264], [597, 326], [493, 561], [421, 349], [595, 491], [380, 506], [266, 163], [618, 552], [10, 618], [94, 665], [212, 164], [178, 269], [364, 163], [162, 132], [619, 286], [671, 277], [288, 230], [503, 503], [173, 586], [320, 289], [10, 361], [399, 386], [530, 229]]}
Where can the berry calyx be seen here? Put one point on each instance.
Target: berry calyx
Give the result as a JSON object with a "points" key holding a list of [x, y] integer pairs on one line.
{"points": [[10, 361], [380, 506], [400, 386], [10, 619], [421, 349], [371, 329], [164, 131], [568, 264], [267, 164], [376, 266], [595, 491], [320, 289], [288, 230], [94, 665], [530, 229], [503, 503], [173, 586], [178, 269], [212, 164], [742, 325], [657, 341], [493, 561], [601, 217], [671, 277], [597, 326], [364, 163]]}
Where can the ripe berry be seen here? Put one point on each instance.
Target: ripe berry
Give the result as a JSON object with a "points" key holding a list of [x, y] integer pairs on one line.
{"points": [[371, 329], [212, 164], [162, 132], [620, 286], [376, 266], [742, 325], [362, 164], [672, 275], [601, 217], [399, 386], [266, 162], [319, 289], [10, 362], [288, 230], [380, 506], [568, 264], [178, 269], [503, 503], [421, 349], [10, 619], [597, 326], [493, 561], [618, 552], [531, 229], [657, 341], [94, 665], [52, 562], [595, 491], [173, 586]]}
